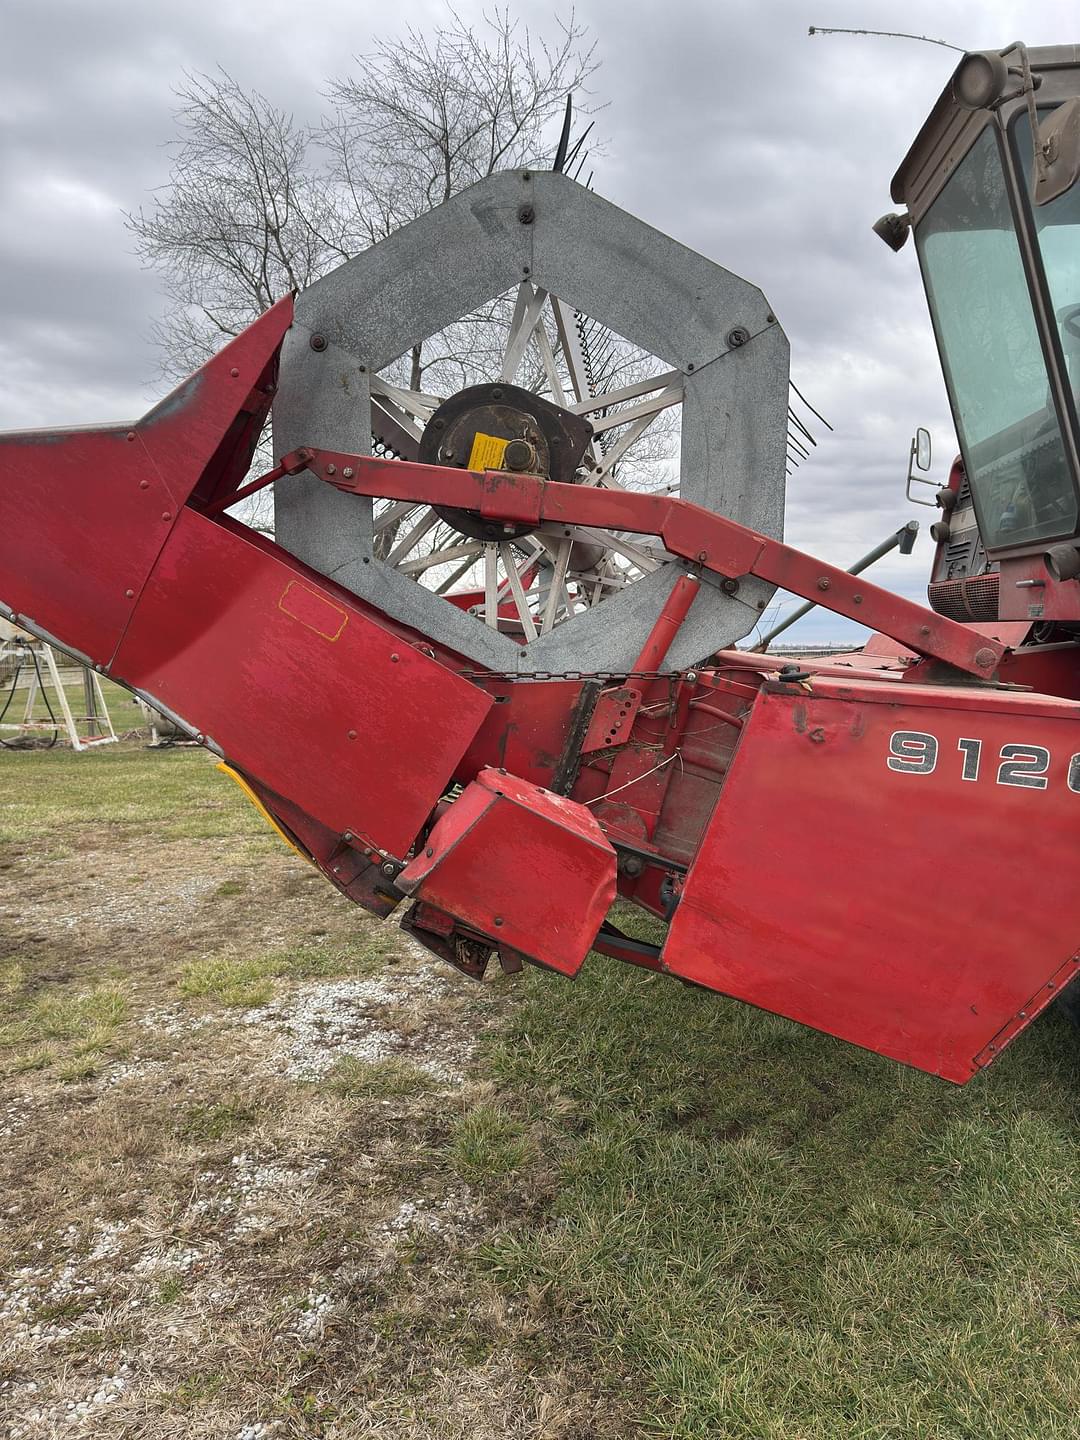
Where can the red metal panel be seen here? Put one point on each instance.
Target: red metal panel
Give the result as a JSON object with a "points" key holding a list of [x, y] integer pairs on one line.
{"points": [[1026, 591], [687, 530], [84, 513], [882, 902], [294, 680], [528, 868], [613, 719]]}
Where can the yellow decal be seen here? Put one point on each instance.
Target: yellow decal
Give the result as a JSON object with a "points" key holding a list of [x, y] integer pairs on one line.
{"points": [[487, 452], [263, 811]]}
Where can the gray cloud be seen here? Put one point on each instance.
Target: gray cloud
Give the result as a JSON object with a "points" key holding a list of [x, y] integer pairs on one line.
{"points": [[726, 126]]}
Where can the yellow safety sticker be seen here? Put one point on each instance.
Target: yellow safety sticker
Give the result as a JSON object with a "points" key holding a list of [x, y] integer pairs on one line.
{"points": [[487, 452]]}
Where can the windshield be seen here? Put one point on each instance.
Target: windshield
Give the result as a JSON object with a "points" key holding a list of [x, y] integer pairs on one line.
{"points": [[1057, 226], [1006, 420]]}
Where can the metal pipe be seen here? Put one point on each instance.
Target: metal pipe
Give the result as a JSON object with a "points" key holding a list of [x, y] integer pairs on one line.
{"points": [[902, 539], [217, 506], [676, 608]]}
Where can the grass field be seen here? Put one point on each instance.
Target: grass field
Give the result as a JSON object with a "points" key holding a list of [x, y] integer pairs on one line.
{"points": [[266, 1171]]}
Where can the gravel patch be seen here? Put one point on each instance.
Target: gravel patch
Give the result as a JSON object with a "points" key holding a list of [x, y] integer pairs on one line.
{"points": [[320, 1024]]}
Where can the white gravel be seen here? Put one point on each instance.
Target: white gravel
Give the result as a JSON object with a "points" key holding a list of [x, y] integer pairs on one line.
{"points": [[319, 1024]]}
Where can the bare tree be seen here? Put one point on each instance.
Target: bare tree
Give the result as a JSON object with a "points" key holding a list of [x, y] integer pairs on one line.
{"points": [[424, 118], [258, 205], [245, 218]]}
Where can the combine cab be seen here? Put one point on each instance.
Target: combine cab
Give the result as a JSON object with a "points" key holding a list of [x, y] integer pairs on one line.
{"points": [[503, 678], [993, 202]]}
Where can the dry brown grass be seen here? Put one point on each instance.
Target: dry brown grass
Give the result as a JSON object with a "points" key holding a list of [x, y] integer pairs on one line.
{"points": [[241, 1194]]}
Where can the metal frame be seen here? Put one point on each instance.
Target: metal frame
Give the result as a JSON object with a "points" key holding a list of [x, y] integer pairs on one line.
{"points": [[715, 330]]}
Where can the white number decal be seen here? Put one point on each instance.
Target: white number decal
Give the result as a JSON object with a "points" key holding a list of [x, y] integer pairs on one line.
{"points": [[912, 752], [1024, 765], [972, 752]]}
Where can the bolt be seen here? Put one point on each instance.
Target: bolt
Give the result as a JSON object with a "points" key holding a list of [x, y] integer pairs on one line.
{"points": [[689, 366], [317, 342], [498, 919], [331, 469], [984, 657], [924, 630], [394, 659], [130, 594], [526, 215], [234, 372], [497, 393], [166, 515], [856, 599], [739, 336], [824, 583], [348, 835], [200, 737], [1051, 985], [691, 676], [1023, 1015], [438, 423], [525, 270], [729, 586], [348, 472], [429, 852], [352, 734], [702, 555], [502, 770], [389, 869], [144, 484], [131, 435], [759, 604]]}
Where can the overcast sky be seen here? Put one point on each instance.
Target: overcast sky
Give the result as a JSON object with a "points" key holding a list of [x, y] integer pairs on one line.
{"points": [[727, 126]]}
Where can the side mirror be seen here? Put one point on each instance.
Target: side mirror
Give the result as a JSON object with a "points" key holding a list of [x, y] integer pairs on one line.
{"points": [[922, 448], [919, 459], [1057, 152]]}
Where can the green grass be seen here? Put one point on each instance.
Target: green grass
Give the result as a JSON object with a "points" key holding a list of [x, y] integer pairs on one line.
{"points": [[488, 1144], [357, 1079], [210, 1122], [774, 1235], [170, 794], [169, 1290], [72, 1030], [245, 980]]}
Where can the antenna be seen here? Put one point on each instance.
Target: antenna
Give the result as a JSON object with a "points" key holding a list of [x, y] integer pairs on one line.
{"points": [[888, 35]]}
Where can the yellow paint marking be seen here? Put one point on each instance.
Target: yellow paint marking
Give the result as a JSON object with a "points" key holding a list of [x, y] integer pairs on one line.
{"points": [[314, 611], [263, 811]]}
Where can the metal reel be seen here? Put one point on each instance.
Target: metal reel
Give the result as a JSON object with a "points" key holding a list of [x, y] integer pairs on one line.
{"points": [[697, 339]]}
